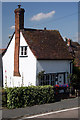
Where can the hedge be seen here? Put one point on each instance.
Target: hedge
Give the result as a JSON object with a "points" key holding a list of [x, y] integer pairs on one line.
{"points": [[27, 96], [4, 97]]}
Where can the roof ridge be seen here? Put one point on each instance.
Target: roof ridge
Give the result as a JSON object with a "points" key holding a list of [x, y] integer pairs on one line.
{"points": [[33, 29]]}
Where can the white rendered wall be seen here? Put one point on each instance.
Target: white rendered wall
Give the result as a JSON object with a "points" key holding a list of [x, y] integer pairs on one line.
{"points": [[27, 66], [8, 64], [53, 66]]}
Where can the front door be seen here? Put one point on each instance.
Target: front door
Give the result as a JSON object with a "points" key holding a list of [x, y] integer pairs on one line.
{"points": [[60, 79]]}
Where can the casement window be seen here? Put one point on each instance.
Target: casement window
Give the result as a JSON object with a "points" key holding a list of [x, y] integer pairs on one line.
{"points": [[47, 79], [23, 51], [52, 79]]}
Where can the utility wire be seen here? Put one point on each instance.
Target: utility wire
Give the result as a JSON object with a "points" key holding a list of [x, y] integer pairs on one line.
{"points": [[60, 18], [63, 17]]}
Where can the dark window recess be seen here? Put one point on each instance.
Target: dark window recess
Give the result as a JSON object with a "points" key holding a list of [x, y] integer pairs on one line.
{"points": [[23, 51], [60, 77]]}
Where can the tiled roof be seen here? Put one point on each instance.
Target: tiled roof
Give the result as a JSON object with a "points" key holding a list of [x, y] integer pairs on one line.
{"points": [[77, 58], [75, 44], [74, 49], [46, 44]]}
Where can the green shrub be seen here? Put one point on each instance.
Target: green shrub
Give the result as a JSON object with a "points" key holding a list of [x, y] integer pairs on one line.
{"points": [[27, 96], [75, 77], [4, 97]]}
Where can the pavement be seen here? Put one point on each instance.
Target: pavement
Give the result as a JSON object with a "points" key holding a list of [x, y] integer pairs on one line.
{"points": [[8, 114]]}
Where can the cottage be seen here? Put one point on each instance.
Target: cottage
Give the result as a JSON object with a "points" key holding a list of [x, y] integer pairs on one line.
{"points": [[32, 51], [1, 70], [74, 49]]}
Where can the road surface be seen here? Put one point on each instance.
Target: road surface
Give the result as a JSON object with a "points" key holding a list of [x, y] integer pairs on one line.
{"points": [[66, 113]]}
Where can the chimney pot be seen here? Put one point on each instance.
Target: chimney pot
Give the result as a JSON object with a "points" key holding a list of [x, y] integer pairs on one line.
{"points": [[69, 42], [44, 28], [19, 6]]}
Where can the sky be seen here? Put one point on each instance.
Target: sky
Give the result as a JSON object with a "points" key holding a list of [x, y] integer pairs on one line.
{"points": [[62, 16]]}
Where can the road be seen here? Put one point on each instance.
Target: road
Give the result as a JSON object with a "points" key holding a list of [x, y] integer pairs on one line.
{"points": [[66, 113]]}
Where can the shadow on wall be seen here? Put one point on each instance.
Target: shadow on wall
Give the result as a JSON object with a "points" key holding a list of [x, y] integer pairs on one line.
{"points": [[1, 71]]}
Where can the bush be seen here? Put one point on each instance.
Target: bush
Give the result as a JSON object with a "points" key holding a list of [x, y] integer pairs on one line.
{"points": [[27, 96], [4, 98], [75, 78]]}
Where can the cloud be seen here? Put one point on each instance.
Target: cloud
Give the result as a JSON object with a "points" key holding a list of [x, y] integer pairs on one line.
{"points": [[12, 27], [41, 16]]}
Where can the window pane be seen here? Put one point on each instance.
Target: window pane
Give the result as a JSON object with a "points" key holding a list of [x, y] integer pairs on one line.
{"points": [[26, 50], [21, 53], [21, 50]]}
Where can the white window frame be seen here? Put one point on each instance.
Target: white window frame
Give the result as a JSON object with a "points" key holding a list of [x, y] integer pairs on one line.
{"points": [[23, 51]]}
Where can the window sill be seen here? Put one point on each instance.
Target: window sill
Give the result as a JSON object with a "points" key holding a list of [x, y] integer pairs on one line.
{"points": [[23, 56]]}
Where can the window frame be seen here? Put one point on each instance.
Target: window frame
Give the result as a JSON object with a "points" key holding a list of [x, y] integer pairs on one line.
{"points": [[23, 51], [47, 79], [50, 79]]}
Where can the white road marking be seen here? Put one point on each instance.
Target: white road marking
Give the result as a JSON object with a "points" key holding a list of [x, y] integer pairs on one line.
{"points": [[34, 116]]}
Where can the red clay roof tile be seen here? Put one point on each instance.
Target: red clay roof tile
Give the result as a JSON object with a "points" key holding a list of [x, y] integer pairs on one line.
{"points": [[46, 44]]}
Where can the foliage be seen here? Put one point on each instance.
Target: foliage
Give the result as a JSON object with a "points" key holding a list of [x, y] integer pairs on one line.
{"points": [[40, 74], [75, 78], [4, 97], [27, 96]]}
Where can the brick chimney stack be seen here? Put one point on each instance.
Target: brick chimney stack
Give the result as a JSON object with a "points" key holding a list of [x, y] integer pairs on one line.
{"points": [[19, 24], [69, 42]]}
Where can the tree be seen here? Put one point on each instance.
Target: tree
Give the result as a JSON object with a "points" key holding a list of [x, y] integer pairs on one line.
{"points": [[75, 78]]}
